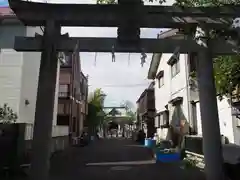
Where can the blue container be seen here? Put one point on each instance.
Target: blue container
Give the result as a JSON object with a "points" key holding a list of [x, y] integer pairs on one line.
{"points": [[150, 143], [167, 157]]}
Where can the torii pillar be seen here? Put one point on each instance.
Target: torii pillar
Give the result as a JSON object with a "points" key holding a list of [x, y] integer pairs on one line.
{"points": [[209, 113], [42, 134]]}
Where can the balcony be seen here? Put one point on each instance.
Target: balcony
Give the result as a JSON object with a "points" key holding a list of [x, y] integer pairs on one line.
{"points": [[63, 94], [146, 102], [64, 91]]}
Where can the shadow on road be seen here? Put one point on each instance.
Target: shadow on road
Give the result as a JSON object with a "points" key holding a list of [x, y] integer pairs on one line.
{"points": [[115, 159]]}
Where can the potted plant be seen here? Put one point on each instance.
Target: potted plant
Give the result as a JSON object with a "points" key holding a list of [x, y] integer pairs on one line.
{"points": [[8, 135], [7, 115]]}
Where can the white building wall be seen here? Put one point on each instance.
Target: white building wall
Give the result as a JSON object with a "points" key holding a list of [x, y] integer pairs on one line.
{"points": [[162, 94], [199, 122], [225, 120], [31, 66], [10, 66], [236, 130], [178, 86], [31, 63], [30, 70], [30, 74], [19, 73], [172, 88], [10, 78]]}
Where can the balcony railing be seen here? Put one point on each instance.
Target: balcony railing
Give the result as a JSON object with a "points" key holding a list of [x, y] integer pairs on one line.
{"points": [[63, 94]]}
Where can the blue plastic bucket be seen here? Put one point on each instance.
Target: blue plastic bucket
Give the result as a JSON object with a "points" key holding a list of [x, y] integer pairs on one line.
{"points": [[150, 143], [167, 157], [146, 142]]}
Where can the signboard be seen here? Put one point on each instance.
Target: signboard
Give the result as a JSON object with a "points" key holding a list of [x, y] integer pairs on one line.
{"points": [[4, 3]]}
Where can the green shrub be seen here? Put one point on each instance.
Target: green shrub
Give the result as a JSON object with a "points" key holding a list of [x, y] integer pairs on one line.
{"points": [[7, 115]]}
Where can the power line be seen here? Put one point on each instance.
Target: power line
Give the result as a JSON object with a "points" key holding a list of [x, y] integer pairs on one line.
{"points": [[123, 85]]}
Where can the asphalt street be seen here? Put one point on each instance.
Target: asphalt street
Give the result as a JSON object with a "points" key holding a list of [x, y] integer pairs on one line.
{"points": [[115, 159]]}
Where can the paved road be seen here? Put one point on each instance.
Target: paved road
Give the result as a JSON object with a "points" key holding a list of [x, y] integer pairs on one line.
{"points": [[114, 159]]}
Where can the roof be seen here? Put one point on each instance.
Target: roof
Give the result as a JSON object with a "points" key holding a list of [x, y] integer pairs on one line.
{"points": [[143, 94], [157, 56]]}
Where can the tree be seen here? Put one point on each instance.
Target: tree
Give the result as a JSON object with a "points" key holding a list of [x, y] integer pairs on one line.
{"points": [[130, 111], [226, 68], [95, 109], [97, 98], [7, 115], [128, 105]]}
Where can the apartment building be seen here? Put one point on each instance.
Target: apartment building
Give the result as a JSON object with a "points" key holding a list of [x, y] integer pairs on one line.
{"points": [[146, 110], [177, 100], [72, 96]]}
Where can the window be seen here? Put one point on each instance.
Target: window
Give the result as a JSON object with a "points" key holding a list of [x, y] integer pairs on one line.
{"points": [[161, 119], [157, 122], [62, 120], [63, 108], [164, 119], [64, 90], [194, 118], [238, 121], [175, 68], [160, 78], [174, 63], [177, 115], [160, 82], [236, 113], [67, 60], [67, 108], [74, 124]]}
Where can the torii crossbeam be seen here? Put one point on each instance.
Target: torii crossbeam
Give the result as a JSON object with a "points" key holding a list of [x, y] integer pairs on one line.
{"points": [[129, 17]]}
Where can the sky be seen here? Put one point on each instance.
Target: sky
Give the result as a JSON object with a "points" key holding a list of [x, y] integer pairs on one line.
{"points": [[122, 80], [3, 3]]}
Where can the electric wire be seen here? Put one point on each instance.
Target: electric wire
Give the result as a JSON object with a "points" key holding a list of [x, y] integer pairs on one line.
{"points": [[124, 85]]}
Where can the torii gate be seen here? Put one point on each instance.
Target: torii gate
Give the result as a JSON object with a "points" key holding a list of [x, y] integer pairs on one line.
{"points": [[128, 16]]}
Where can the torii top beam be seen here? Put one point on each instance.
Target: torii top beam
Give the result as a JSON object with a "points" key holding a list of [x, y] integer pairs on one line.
{"points": [[36, 14]]}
